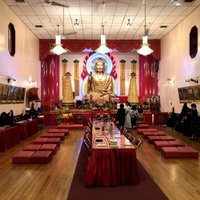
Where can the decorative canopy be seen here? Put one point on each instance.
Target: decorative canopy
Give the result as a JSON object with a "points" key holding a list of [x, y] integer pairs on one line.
{"points": [[123, 46]]}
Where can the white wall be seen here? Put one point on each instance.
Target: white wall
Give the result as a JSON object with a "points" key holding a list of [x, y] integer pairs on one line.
{"points": [[25, 64], [176, 62], [128, 57]]}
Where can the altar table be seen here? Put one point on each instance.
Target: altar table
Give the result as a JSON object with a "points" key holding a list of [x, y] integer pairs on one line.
{"points": [[111, 166]]}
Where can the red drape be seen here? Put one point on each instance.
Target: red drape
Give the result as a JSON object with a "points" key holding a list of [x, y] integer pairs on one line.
{"points": [[49, 81], [148, 77]]}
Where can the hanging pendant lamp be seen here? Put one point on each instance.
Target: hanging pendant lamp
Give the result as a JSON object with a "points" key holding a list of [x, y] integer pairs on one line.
{"points": [[103, 48], [58, 49], [145, 49]]}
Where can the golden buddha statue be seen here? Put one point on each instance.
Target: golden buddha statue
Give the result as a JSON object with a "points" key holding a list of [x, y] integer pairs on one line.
{"points": [[100, 84]]}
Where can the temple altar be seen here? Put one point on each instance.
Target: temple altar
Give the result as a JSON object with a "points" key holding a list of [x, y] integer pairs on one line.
{"points": [[80, 116]]}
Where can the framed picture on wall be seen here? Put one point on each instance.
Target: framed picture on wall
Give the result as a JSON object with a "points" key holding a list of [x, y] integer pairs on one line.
{"points": [[189, 94], [11, 94]]}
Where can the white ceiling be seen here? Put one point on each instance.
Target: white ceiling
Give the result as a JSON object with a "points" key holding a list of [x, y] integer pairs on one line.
{"points": [[90, 17]]}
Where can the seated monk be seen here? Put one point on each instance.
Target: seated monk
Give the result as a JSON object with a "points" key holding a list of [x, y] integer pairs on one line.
{"points": [[100, 84]]}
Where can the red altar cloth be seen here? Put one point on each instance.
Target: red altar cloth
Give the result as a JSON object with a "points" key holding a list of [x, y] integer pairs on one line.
{"points": [[111, 167]]}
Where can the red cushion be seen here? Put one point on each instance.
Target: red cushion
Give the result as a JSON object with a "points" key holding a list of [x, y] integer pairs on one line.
{"points": [[141, 130], [70, 126], [188, 152], [170, 152], [32, 147], [22, 157], [142, 126], [152, 138], [41, 157], [179, 152], [159, 144], [39, 140], [54, 140], [49, 147], [66, 131], [50, 135], [175, 143], [146, 133]]}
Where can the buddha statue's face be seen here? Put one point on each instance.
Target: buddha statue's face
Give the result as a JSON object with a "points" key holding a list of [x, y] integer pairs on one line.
{"points": [[99, 66]]}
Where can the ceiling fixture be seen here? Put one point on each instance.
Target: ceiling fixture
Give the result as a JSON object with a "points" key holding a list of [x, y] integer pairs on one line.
{"points": [[54, 3], [58, 49], [103, 48], [175, 2], [128, 25], [76, 24], [145, 49]]}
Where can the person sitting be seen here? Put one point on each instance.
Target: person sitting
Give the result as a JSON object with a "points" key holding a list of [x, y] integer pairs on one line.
{"points": [[26, 116], [120, 116], [3, 119], [100, 84], [10, 118], [194, 122], [33, 113], [182, 123], [173, 119]]}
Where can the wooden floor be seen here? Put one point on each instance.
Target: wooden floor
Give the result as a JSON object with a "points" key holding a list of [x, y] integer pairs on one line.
{"points": [[179, 179]]}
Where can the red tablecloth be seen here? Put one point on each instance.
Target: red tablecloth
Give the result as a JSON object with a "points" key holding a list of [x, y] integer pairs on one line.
{"points": [[111, 167], [108, 166]]}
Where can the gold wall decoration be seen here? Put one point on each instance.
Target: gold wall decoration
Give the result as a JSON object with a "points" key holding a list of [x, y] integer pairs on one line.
{"points": [[132, 93], [122, 77], [66, 85], [76, 77]]}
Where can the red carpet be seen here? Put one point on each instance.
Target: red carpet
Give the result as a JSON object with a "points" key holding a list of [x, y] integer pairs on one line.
{"points": [[145, 190]]}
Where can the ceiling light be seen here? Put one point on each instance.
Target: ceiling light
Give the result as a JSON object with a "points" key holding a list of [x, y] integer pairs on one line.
{"points": [[58, 49], [103, 48], [76, 24], [175, 2], [145, 49], [128, 25]]}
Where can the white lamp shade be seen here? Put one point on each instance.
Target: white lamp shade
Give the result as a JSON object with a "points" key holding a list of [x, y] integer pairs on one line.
{"points": [[145, 49], [58, 49], [103, 48]]}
